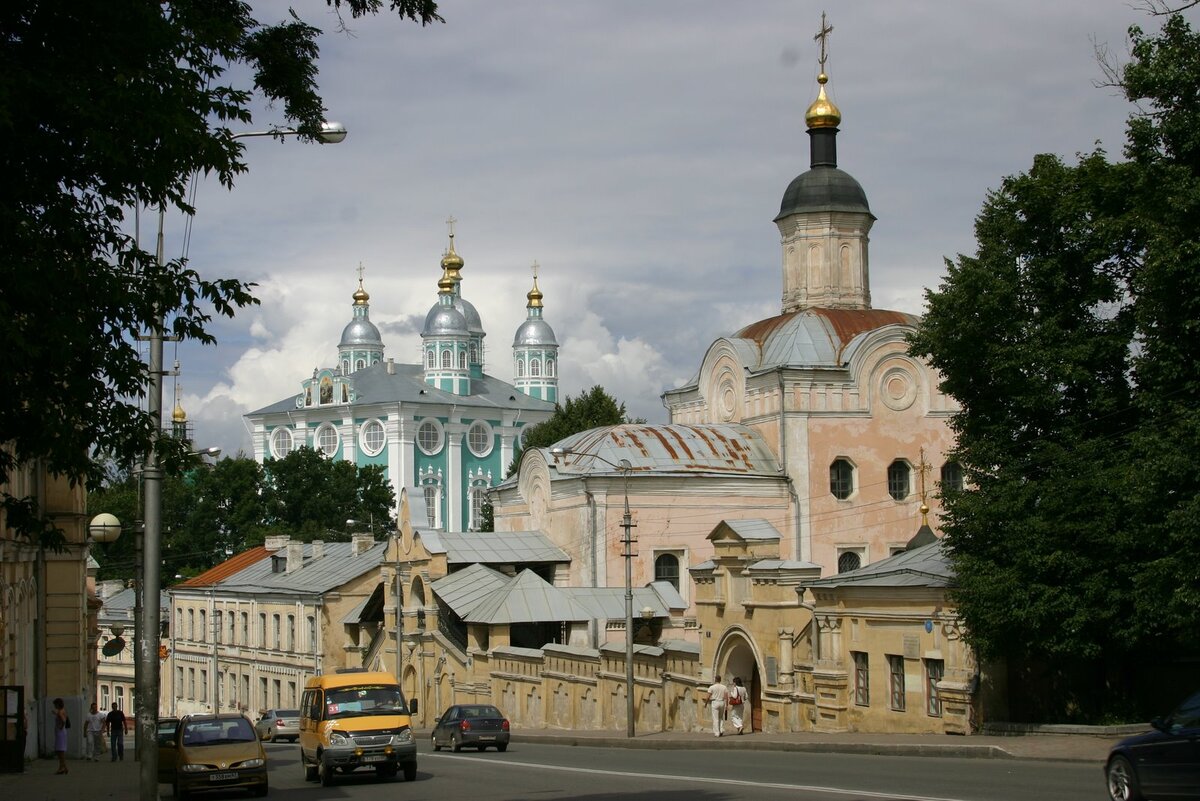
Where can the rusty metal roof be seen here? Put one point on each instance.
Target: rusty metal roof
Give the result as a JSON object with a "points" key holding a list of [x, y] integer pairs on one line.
{"points": [[671, 448], [232, 565]]}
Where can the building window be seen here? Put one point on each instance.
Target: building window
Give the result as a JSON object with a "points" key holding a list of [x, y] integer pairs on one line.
{"points": [[245, 691], [262, 629], [312, 634], [218, 626], [549, 368], [447, 360], [479, 438], [291, 693], [896, 681], [191, 684], [430, 359], [345, 366], [245, 628], [276, 693], [666, 568], [849, 560], [899, 480], [862, 678], [474, 353], [535, 368], [327, 440], [178, 682], [263, 701], [360, 364], [275, 631], [203, 626], [204, 686], [191, 629], [431, 488], [371, 437], [291, 632], [934, 670], [841, 478], [281, 443], [478, 499], [520, 369], [952, 477], [429, 436], [462, 360]]}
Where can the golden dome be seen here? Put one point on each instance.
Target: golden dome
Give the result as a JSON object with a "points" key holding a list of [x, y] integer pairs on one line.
{"points": [[822, 113], [360, 295], [445, 283], [179, 415], [535, 296]]}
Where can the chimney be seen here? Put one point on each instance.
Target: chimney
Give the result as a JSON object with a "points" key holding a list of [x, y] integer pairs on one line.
{"points": [[276, 542], [361, 543], [391, 366], [295, 556], [318, 549]]}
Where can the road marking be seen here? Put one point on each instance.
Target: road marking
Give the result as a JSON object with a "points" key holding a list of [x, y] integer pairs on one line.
{"points": [[704, 780]]}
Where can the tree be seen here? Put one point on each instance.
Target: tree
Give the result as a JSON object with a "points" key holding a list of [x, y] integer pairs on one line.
{"points": [[1069, 340], [591, 409], [77, 287], [310, 497]]}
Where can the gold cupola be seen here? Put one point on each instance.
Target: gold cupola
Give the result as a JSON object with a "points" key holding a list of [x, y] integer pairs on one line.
{"points": [[179, 415], [822, 113], [534, 295], [361, 298], [452, 263], [446, 283]]}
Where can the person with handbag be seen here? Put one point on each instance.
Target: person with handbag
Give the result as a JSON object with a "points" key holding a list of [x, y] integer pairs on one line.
{"points": [[737, 704]]}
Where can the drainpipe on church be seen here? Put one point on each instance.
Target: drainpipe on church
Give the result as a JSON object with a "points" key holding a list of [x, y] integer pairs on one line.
{"points": [[798, 548]]}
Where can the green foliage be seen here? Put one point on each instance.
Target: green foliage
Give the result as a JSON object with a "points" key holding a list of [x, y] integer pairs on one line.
{"points": [[1070, 341], [210, 513], [105, 108], [591, 409]]}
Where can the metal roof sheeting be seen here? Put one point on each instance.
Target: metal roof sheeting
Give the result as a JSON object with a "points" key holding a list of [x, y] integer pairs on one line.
{"points": [[463, 590], [527, 599], [674, 448], [756, 529], [926, 566], [497, 547], [329, 571]]}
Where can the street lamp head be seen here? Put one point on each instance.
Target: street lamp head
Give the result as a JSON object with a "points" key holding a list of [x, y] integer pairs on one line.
{"points": [[332, 133], [104, 527], [117, 629], [647, 613], [212, 452]]}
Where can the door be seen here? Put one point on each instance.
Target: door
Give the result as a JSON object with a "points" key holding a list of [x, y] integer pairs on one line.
{"points": [[755, 700], [12, 728]]}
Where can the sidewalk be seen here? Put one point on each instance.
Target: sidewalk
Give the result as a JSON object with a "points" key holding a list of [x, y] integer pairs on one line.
{"points": [[118, 781]]}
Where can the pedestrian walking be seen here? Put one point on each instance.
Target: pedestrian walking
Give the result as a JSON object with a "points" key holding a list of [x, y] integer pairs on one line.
{"points": [[737, 704], [114, 724], [93, 734], [61, 724], [718, 695]]}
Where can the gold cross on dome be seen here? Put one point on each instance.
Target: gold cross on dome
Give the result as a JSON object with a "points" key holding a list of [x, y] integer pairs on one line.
{"points": [[450, 221], [822, 37], [535, 269], [360, 271]]}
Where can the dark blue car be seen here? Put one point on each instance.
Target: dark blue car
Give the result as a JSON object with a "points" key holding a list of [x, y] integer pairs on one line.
{"points": [[1163, 763]]}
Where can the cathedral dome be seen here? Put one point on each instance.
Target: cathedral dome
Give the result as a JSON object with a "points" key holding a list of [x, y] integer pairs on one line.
{"points": [[360, 332], [444, 320], [535, 331], [469, 313], [823, 189]]}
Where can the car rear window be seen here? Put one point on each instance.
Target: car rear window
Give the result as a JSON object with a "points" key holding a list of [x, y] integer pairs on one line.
{"points": [[288, 713]]}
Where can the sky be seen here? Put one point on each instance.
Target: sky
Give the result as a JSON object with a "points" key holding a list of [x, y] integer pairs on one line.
{"points": [[638, 151]]}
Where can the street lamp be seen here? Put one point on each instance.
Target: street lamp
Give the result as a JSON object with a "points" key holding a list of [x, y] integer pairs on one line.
{"points": [[147, 664], [625, 467]]}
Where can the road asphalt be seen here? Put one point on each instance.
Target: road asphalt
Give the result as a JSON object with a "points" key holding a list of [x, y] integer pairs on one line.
{"points": [[96, 781]]}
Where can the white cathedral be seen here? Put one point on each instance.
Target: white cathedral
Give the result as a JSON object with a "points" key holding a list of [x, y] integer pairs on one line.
{"points": [[444, 425]]}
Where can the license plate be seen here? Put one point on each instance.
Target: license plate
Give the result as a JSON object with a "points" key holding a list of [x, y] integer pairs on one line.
{"points": [[222, 777], [375, 758], [488, 739]]}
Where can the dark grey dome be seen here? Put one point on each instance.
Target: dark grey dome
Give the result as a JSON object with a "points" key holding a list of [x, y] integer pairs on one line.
{"points": [[360, 332], [474, 323], [443, 320], [823, 189], [534, 332]]}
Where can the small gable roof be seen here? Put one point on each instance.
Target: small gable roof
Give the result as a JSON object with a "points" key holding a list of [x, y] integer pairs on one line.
{"points": [[754, 529], [463, 590], [926, 566], [527, 599]]}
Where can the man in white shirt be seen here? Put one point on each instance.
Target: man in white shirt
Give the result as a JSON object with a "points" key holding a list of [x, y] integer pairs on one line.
{"points": [[718, 694], [93, 728]]}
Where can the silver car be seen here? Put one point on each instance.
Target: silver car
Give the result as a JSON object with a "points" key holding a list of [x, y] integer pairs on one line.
{"points": [[277, 725]]}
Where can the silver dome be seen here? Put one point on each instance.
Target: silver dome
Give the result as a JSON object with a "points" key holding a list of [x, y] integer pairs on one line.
{"points": [[360, 332], [444, 320], [474, 322], [534, 332]]}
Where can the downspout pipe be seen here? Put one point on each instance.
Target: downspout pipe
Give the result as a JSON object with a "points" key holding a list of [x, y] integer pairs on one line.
{"points": [[797, 549]]}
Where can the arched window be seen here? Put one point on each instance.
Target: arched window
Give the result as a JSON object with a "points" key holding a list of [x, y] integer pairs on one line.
{"points": [[447, 360], [431, 489], [430, 359], [841, 478], [474, 353], [952, 477], [549, 368], [345, 365], [849, 560], [666, 568], [478, 499], [520, 368], [462, 360], [360, 364], [535, 367], [899, 479]]}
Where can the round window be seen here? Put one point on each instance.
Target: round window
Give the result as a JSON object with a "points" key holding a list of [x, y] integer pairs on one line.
{"points": [[429, 436], [371, 437], [479, 438], [327, 440], [281, 443]]}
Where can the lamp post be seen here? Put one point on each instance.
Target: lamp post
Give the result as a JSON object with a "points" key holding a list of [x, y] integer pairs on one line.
{"points": [[147, 664], [624, 466]]}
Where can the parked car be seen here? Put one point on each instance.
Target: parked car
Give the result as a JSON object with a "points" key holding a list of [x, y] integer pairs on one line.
{"points": [[279, 724], [166, 729], [213, 752], [1162, 763], [478, 725]]}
